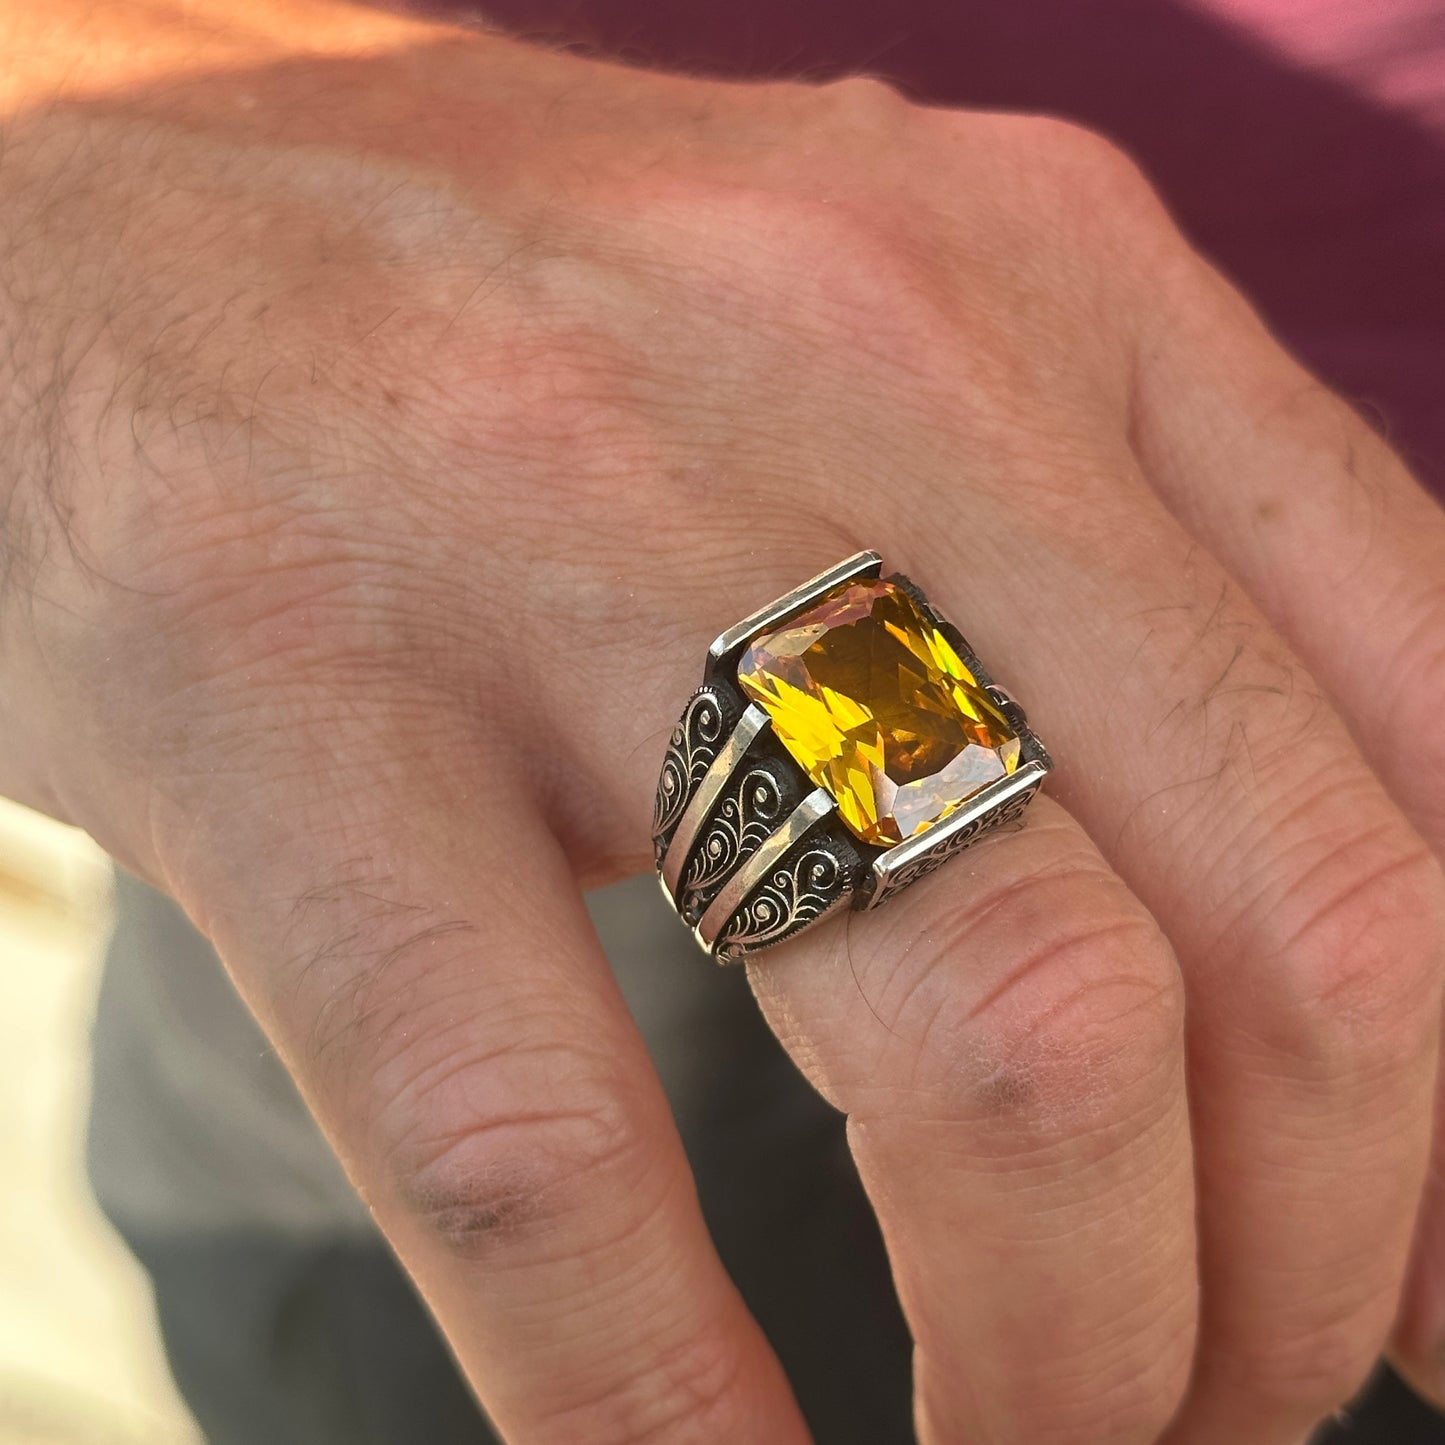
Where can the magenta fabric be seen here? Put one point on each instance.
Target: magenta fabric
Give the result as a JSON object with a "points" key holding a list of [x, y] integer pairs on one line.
{"points": [[1301, 143]]}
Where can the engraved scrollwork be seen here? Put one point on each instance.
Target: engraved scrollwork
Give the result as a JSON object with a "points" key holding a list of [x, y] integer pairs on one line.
{"points": [[693, 745], [814, 880], [752, 808], [953, 844]]}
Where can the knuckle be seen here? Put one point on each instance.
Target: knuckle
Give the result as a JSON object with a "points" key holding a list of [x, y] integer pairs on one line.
{"points": [[868, 98], [691, 1394], [477, 1162], [1090, 203], [1077, 147], [851, 264], [868, 282], [1087, 168], [1081, 1001], [1306, 1374], [498, 1179], [1089, 1000], [1358, 930]]}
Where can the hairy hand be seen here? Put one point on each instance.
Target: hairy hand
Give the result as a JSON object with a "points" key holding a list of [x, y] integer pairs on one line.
{"points": [[393, 415]]}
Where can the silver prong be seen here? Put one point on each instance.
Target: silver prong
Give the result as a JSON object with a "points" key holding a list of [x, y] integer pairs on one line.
{"points": [[939, 841], [813, 809], [712, 782], [722, 656]]}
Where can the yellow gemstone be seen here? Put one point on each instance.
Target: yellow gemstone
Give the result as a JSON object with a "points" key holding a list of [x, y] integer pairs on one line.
{"points": [[877, 707]]}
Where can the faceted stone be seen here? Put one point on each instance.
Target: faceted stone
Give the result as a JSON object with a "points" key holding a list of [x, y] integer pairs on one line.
{"points": [[877, 707]]}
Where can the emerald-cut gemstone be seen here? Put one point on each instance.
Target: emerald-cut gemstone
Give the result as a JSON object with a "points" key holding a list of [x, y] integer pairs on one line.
{"points": [[876, 706]]}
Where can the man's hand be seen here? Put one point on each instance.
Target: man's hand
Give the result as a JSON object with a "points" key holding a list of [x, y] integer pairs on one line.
{"points": [[391, 416]]}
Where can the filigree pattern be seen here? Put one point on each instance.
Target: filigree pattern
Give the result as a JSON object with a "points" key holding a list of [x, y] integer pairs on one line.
{"points": [[814, 879], [753, 806], [955, 843], [693, 745]]}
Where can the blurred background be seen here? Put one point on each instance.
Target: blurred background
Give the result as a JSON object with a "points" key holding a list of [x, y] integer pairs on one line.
{"points": [[80, 1355]]}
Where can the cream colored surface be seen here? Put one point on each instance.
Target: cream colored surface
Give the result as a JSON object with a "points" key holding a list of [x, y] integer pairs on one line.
{"points": [[80, 1361]]}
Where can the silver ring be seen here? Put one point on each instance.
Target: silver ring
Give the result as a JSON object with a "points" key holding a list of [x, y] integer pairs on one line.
{"points": [[844, 742]]}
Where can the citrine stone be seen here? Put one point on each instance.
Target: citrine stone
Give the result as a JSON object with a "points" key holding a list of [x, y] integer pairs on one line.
{"points": [[877, 707]]}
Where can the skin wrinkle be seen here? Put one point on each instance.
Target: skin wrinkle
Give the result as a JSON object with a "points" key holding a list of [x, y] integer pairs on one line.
{"points": [[1352, 994], [1240, 912], [515, 1192], [658, 1301], [1136, 1191], [1028, 1025], [450, 1059], [1038, 961], [968, 924], [421, 1060], [1098, 1083], [1045, 1087], [1115, 1395], [697, 1406], [487, 1198], [1125, 1329], [1031, 1165], [1283, 818]]}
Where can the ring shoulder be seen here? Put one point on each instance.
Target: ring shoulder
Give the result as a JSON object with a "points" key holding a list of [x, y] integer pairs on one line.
{"points": [[757, 798], [817, 876]]}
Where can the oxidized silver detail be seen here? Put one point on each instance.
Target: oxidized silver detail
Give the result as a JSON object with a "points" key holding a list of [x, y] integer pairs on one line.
{"points": [[813, 809], [692, 746], [753, 804], [705, 791], [808, 885]]}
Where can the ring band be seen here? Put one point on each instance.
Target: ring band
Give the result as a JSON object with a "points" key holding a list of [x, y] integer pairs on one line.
{"points": [[844, 742]]}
